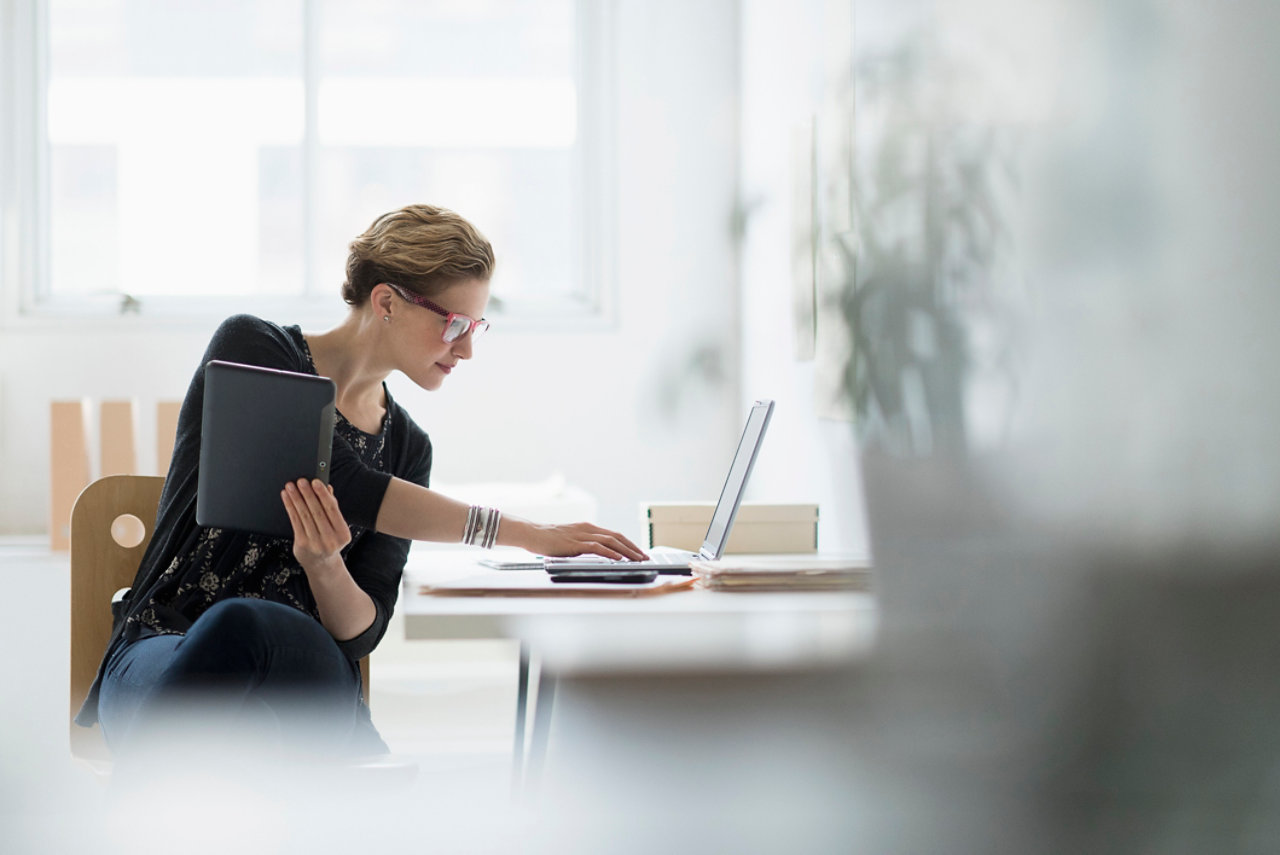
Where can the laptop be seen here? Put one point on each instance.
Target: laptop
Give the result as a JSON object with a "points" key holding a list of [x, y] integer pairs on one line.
{"points": [[260, 429], [671, 561]]}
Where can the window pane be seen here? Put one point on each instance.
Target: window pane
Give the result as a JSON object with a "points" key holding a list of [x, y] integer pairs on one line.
{"points": [[519, 199], [175, 144], [514, 39], [177, 139], [469, 105]]}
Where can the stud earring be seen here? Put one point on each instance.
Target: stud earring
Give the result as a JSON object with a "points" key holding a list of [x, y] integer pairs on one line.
{"points": [[386, 318]]}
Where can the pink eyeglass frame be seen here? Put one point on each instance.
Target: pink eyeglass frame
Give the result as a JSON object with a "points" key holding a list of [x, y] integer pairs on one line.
{"points": [[419, 300]]}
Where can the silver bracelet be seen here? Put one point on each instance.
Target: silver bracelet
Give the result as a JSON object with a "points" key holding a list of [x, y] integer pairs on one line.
{"points": [[482, 526]]}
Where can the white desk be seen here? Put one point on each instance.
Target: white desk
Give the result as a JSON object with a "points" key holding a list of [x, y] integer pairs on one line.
{"points": [[684, 632]]}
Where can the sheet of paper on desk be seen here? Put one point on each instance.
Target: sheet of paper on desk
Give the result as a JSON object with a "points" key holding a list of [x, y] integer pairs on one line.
{"points": [[783, 573], [536, 583]]}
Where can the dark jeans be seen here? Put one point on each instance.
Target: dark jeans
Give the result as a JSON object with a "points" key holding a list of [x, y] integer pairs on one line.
{"points": [[249, 674]]}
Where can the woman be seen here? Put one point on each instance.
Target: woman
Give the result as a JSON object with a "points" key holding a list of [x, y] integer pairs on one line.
{"points": [[263, 634]]}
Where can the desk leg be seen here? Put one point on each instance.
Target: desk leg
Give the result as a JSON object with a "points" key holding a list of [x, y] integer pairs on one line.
{"points": [[541, 729], [522, 705]]}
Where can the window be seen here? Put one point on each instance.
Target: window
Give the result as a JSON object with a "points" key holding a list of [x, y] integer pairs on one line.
{"points": [[207, 152]]}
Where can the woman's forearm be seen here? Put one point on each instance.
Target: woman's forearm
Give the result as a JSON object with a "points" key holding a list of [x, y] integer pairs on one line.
{"points": [[319, 535], [414, 512], [345, 609]]}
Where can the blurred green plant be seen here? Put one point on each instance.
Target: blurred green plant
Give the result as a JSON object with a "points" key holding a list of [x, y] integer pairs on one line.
{"points": [[929, 271]]}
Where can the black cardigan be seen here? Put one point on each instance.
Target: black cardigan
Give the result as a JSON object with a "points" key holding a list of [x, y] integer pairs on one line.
{"points": [[376, 561]]}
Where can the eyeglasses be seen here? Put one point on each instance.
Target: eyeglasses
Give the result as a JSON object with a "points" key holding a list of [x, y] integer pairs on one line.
{"points": [[456, 326]]}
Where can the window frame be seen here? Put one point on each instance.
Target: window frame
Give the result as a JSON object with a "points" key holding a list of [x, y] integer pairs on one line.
{"points": [[25, 197]]}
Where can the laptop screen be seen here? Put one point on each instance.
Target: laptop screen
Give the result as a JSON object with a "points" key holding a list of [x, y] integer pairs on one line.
{"points": [[735, 484]]}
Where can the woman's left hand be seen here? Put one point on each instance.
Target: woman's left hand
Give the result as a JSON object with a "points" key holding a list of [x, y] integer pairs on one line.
{"points": [[319, 531], [577, 539]]}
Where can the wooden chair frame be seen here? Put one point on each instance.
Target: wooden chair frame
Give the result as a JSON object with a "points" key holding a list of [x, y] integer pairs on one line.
{"points": [[100, 566]]}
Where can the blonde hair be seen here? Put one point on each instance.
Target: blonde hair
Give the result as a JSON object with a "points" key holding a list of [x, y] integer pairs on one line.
{"points": [[419, 247]]}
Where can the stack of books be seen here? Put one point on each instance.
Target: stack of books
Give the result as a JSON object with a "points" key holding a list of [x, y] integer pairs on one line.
{"points": [[783, 573]]}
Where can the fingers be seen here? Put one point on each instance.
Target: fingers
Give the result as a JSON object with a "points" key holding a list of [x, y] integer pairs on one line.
{"points": [[579, 539], [299, 516], [595, 548], [294, 522], [329, 502], [314, 509], [630, 548], [315, 505], [588, 539], [616, 543]]}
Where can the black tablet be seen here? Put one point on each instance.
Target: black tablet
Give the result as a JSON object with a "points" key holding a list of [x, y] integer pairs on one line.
{"points": [[261, 428]]}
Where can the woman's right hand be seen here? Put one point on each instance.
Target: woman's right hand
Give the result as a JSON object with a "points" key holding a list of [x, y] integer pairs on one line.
{"points": [[559, 541]]}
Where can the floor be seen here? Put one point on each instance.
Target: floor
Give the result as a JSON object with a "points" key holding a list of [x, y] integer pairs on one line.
{"points": [[448, 706]]}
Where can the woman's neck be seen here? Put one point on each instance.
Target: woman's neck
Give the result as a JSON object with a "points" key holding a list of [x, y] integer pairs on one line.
{"points": [[349, 356]]}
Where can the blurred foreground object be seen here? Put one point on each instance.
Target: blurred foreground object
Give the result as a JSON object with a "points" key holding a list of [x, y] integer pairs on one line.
{"points": [[1066, 383]]}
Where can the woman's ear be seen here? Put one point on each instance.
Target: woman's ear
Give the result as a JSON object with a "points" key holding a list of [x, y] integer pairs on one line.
{"points": [[381, 298]]}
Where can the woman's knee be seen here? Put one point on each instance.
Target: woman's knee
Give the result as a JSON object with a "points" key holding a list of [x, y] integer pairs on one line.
{"points": [[239, 634], [246, 619], [247, 634]]}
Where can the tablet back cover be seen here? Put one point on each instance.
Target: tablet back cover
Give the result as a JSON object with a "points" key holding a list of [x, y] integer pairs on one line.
{"points": [[261, 428]]}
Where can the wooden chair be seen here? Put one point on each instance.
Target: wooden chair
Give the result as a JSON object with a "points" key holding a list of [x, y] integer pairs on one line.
{"points": [[111, 525]]}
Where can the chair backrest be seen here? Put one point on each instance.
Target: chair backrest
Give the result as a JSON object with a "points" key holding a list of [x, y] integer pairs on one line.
{"points": [[111, 525]]}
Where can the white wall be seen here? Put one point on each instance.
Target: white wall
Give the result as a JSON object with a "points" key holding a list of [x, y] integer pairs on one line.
{"points": [[811, 458], [651, 426]]}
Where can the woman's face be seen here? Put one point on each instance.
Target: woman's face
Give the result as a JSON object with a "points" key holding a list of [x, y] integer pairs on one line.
{"points": [[421, 352]]}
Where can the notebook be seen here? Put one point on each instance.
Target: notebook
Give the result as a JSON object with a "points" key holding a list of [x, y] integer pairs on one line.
{"points": [[784, 573], [669, 560], [261, 428]]}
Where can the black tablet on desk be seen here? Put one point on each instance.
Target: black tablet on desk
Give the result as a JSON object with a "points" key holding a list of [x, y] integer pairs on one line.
{"points": [[261, 428]]}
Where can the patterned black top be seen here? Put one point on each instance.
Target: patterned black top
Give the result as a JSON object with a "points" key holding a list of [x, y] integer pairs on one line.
{"points": [[187, 568], [203, 573]]}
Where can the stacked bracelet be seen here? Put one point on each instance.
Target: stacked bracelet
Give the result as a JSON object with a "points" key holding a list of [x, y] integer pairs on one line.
{"points": [[482, 527]]}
